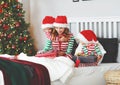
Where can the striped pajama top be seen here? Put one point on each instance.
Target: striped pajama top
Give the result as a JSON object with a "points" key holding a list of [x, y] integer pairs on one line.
{"points": [[61, 46]]}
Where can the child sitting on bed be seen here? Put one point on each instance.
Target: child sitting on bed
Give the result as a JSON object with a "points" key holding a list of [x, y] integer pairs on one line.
{"points": [[61, 39], [89, 50], [47, 26]]}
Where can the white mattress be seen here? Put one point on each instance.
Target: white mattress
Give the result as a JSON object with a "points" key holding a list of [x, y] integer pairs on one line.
{"points": [[90, 75]]}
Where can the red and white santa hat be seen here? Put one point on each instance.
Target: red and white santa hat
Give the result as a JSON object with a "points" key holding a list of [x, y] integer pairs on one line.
{"points": [[48, 22], [61, 21], [87, 36]]}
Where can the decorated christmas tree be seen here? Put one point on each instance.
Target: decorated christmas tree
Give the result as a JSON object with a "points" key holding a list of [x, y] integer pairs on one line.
{"points": [[14, 31]]}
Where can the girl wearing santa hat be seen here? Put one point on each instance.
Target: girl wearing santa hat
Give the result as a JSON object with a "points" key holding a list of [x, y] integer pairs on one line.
{"points": [[88, 46], [47, 26], [62, 39]]}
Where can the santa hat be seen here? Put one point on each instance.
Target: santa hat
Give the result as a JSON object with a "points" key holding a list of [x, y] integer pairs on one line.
{"points": [[87, 36], [61, 21], [48, 22]]}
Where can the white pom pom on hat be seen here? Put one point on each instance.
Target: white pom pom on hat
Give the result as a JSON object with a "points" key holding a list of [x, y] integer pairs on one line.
{"points": [[48, 22], [87, 36], [61, 21]]}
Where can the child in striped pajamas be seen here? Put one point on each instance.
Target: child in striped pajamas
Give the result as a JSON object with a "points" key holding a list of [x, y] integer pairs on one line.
{"points": [[88, 46], [61, 40], [47, 26]]}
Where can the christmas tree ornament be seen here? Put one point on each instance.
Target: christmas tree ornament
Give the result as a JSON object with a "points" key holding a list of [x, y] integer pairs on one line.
{"points": [[5, 27], [5, 5], [26, 35], [13, 32], [17, 24], [19, 14], [25, 38], [1, 10], [10, 35], [18, 6]]}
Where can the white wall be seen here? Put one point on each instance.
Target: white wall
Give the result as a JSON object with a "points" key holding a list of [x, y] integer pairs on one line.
{"points": [[41, 8]]}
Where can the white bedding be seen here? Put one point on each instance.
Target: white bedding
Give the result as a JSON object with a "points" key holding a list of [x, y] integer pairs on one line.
{"points": [[93, 75], [90, 75]]}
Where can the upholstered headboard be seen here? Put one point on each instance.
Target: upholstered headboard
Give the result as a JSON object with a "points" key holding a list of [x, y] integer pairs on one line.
{"points": [[107, 30]]}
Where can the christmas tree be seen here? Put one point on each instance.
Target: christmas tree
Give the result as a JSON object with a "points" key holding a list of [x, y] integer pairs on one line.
{"points": [[14, 31]]}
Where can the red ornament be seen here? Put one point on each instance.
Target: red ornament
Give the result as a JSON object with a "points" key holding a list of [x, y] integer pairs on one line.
{"points": [[18, 6], [17, 24], [10, 35], [5, 5], [19, 14], [25, 38], [1, 10], [77, 62], [6, 27]]}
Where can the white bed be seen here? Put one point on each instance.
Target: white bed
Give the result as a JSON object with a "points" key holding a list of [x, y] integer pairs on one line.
{"points": [[104, 27], [90, 75]]}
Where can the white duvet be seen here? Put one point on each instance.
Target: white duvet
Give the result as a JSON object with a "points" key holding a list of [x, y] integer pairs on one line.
{"points": [[92, 75], [60, 68]]}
